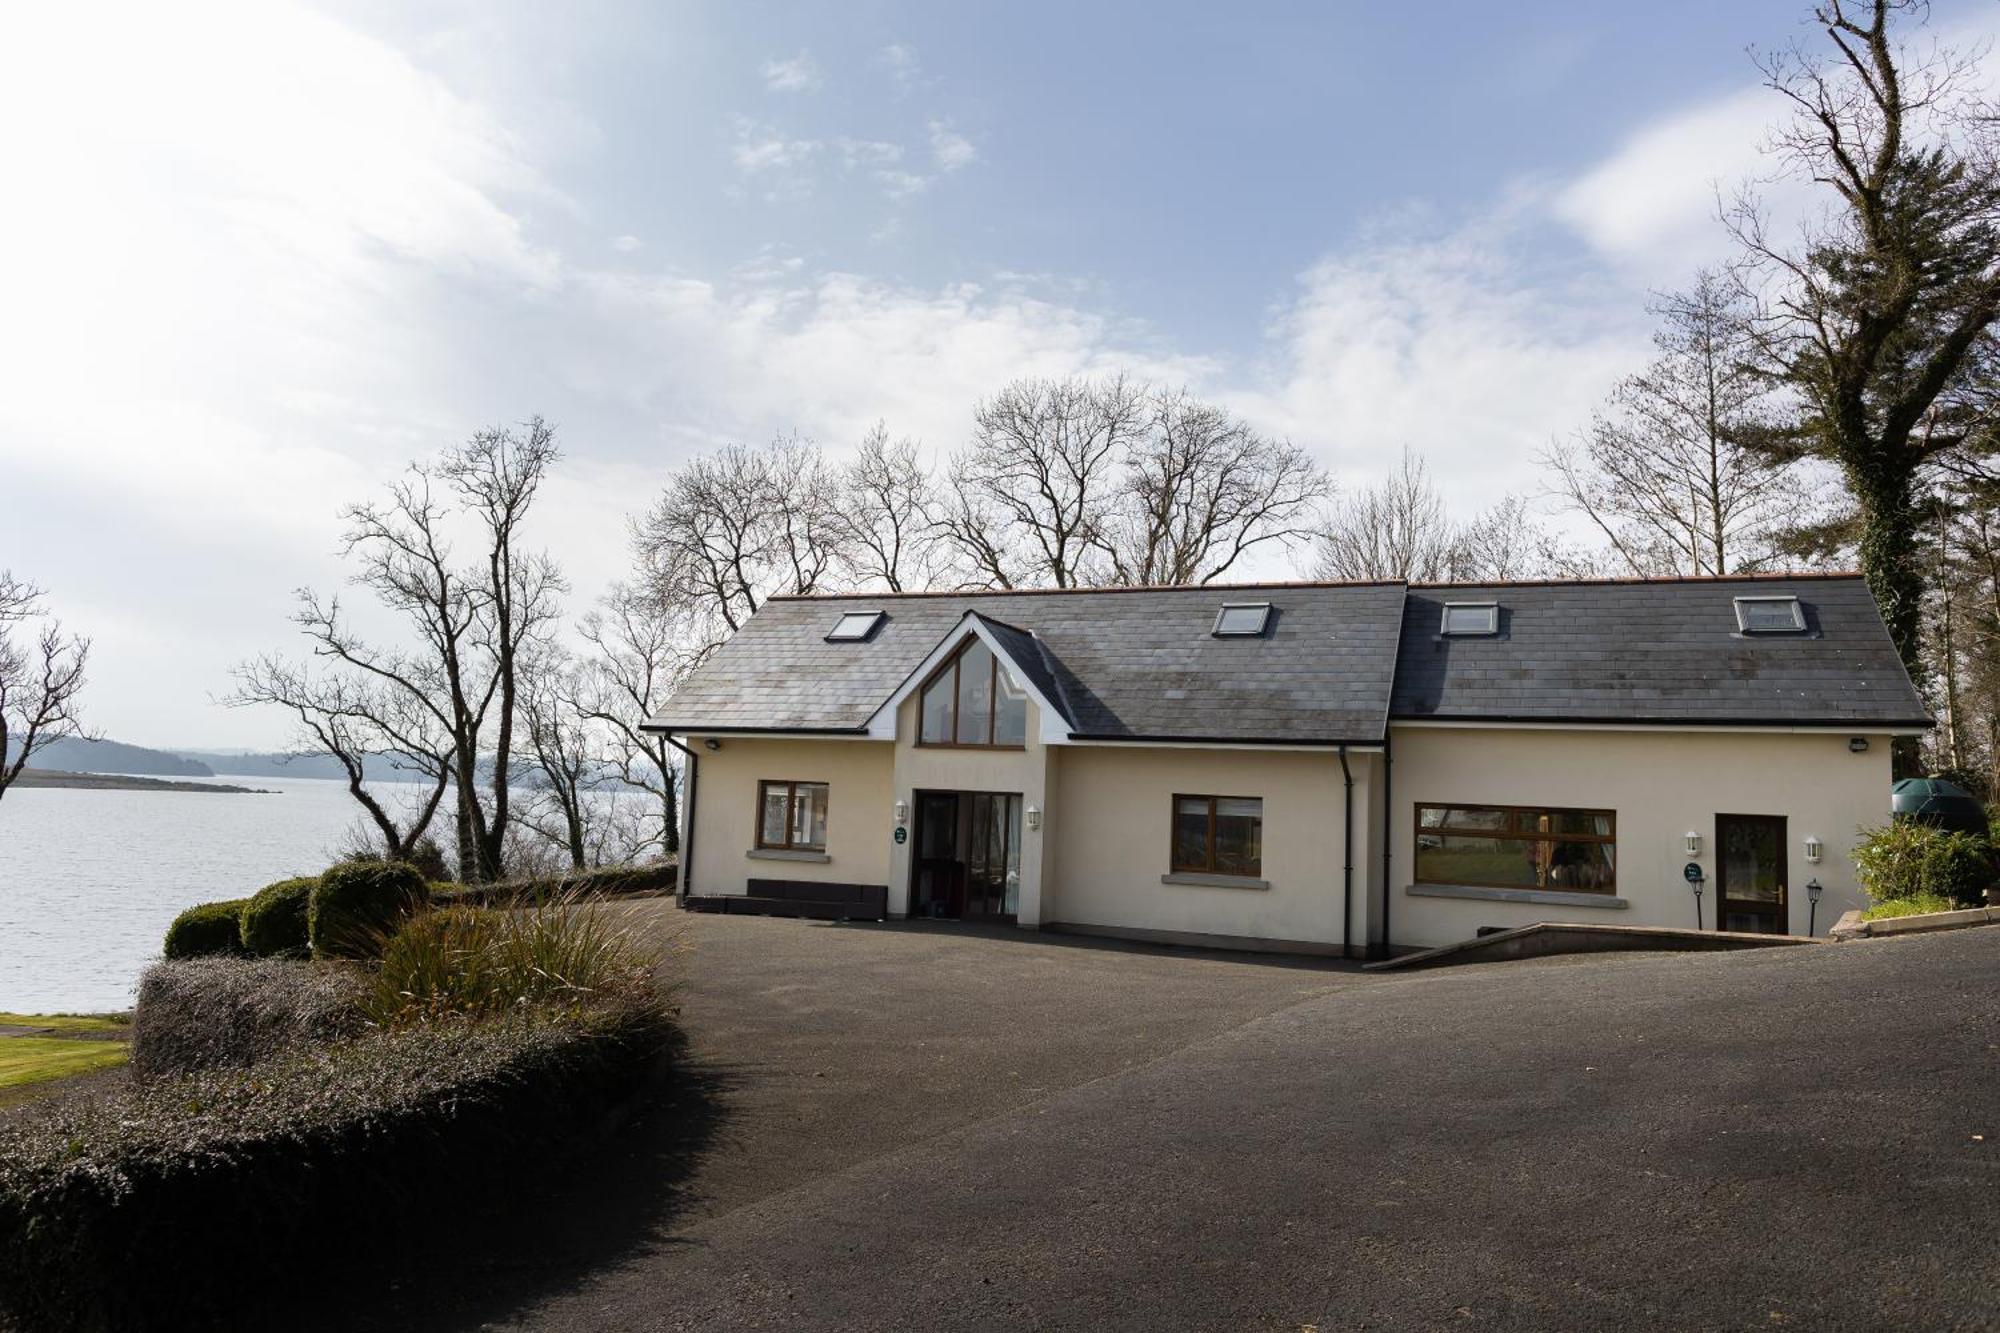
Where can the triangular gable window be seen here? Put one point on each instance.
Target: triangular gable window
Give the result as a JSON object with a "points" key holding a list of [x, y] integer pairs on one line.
{"points": [[973, 700]]}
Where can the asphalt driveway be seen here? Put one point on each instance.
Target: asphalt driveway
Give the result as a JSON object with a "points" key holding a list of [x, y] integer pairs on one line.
{"points": [[916, 1127]]}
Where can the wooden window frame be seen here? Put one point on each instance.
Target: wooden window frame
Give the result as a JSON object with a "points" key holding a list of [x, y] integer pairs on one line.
{"points": [[950, 667], [1508, 835], [791, 786], [1174, 862]]}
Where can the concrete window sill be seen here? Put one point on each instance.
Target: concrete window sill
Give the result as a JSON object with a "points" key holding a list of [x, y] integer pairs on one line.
{"points": [[780, 854], [1215, 881], [1550, 897]]}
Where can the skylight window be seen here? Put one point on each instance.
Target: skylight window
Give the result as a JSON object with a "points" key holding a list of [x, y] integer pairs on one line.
{"points": [[1241, 620], [854, 626], [1769, 615], [1471, 618]]}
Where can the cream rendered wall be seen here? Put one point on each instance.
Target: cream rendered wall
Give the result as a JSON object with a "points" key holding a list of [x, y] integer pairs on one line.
{"points": [[1662, 785], [944, 768], [1111, 829], [858, 775]]}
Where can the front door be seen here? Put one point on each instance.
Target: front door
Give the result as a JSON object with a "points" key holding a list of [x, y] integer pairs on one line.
{"points": [[1750, 874], [968, 854]]}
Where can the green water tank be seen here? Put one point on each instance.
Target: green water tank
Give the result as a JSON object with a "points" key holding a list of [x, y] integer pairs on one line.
{"points": [[1944, 804]]}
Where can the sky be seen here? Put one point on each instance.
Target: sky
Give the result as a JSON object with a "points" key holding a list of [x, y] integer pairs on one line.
{"points": [[258, 256]]}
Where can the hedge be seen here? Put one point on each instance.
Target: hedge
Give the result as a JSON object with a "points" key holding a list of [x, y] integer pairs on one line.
{"points": [[607, 882], [204, 931], [274, 920], [203, 1013], [184, 1201], [356, 906]]}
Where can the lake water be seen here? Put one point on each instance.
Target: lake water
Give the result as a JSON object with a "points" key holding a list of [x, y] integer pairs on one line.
{"points": [[89, 880]]}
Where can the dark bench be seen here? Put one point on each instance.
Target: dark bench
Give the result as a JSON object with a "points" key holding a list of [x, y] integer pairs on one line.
{"points": [[801, 898]]}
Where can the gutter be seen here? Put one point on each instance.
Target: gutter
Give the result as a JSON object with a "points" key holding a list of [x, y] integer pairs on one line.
{"points": [[1388, 844], [1347, 850], [687, 844]]}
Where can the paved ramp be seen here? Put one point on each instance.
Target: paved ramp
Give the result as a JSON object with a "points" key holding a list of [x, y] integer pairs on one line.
{"points": [[1553, 937]]}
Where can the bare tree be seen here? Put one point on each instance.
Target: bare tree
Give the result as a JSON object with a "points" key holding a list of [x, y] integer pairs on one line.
{"points": [[1397, 529], [562, 752], [1038, 480], [1879, 314], [356, 718], [636, 663], [470, 625], [887, 516], [736, 528], [1509, 542], [1200, 490], [1665, 471], [41, 675]]}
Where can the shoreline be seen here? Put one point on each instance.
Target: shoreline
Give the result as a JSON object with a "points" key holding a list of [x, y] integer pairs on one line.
{"points": [[54, 777]]}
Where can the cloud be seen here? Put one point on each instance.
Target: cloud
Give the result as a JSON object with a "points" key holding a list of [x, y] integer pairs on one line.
{"points": [[905, 71], [797, 75], [627, 245], [950, 149], [1457, 342]]}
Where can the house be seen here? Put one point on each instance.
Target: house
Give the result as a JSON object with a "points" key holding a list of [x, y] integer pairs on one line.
{"points": [[1336, 768]]}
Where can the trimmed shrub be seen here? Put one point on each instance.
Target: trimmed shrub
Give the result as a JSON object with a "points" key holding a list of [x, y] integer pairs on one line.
{"points": [[356, 907], [206, 1013], [1905, 859], [205, 931], [187, 1202], [606, 882], [274, 920], [468, 960]]}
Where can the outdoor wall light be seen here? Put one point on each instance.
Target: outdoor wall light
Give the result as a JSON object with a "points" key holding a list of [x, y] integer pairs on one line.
{"points": [[1694, 844], [712, 743], [1812, 850], [1812, 906], [1858, 745], [902, 812], [1033, 815]]}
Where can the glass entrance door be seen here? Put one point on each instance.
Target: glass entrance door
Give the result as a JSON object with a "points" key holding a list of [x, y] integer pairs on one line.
{"points": [[993, 854], [1750, 874]]}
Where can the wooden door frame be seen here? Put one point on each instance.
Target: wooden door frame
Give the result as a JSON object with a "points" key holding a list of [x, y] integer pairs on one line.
{"points": [[1784, 869]]}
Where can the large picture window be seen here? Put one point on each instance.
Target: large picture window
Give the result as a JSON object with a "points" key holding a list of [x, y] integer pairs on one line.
{"points": [[791, 816], [1219, 835], [972, 700], [1517, 847]]}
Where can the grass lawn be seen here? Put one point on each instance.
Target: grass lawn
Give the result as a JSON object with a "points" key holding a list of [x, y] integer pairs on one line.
{"points": [[26, 1060], [114, 1024]]}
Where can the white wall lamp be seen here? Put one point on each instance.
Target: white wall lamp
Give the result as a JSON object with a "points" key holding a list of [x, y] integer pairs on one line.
{"points": [[1033, 815], [1694, 844], [1812, 850], [1858, 745], [902, 812]]}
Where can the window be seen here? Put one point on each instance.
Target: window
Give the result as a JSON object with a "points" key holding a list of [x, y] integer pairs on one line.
{"points": [[1515, 847], [791, 816], [973, 700], [1241, 619], [1219, 835], [1769, 615], [854, 626], [1471, 618]]}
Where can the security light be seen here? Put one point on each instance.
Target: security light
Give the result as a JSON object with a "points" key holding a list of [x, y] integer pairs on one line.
{"points": [[1471, 618]]}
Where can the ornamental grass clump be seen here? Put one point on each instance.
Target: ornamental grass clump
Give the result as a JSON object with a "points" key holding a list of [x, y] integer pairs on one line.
{"points": [[561, 954]]}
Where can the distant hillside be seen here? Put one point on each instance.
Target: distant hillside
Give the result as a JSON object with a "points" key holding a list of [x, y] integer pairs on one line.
{"points": [[278, 765], [75, 756]]}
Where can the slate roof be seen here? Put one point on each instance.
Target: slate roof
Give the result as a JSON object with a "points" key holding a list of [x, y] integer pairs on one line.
{"points": [[1336, 662], [1122, 664], [1655, 651]]}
